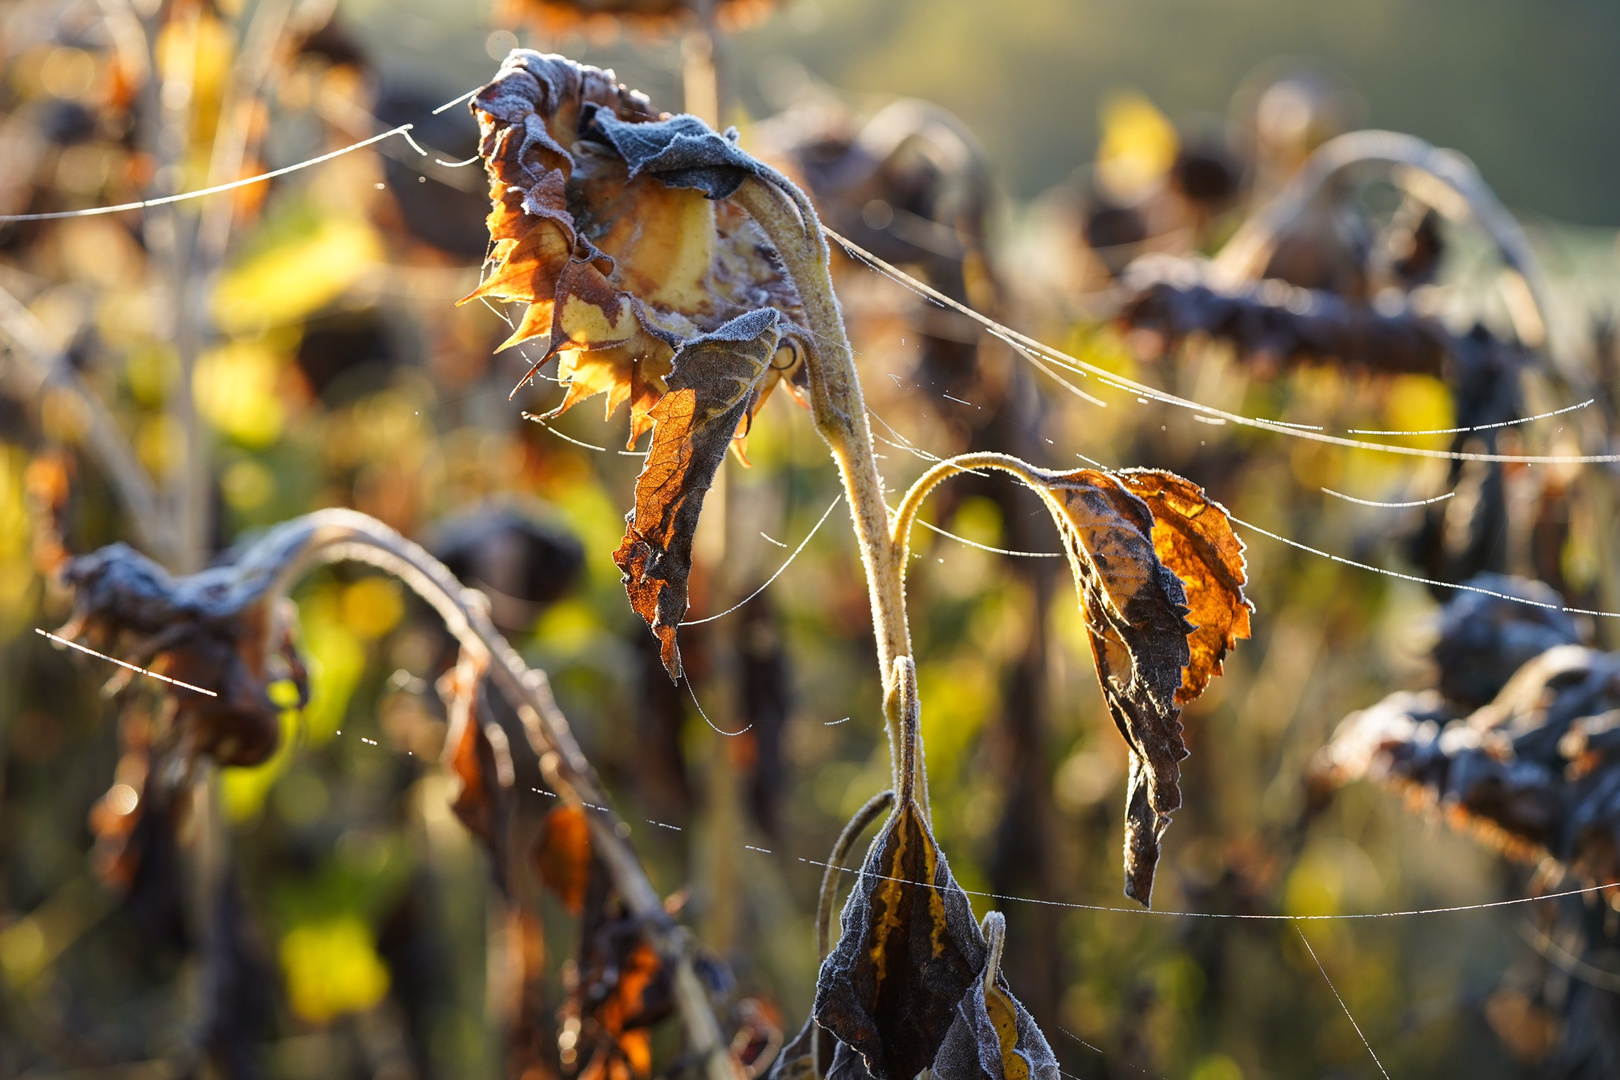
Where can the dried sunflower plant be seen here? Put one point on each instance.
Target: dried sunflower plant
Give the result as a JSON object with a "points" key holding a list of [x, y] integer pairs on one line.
{"points": [[664, 267]]}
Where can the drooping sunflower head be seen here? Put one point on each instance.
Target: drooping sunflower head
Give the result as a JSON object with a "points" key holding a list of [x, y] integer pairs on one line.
{"points": [[609, 220]]}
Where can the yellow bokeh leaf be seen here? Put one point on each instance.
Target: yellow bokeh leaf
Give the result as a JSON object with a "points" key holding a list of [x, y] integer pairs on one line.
{"points": [[235, 387], [332, 968], [296, 277]]}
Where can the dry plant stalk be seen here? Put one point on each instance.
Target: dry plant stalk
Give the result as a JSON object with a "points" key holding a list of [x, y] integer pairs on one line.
{"points": [[579, 167], [667, 268]]}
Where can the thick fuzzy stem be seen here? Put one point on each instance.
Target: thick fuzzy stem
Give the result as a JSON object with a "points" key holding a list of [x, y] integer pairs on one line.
{"points": [[345, 535], [790, 222]]}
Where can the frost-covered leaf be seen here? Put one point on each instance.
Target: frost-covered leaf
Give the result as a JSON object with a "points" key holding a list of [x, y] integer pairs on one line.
{"points": [[993, 1036], [909, 948], [602, 223], [682, 151], [715, 379]]}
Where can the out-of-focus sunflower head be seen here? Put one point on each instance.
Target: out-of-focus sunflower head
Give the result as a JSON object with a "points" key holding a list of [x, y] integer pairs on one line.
{"points": [[601, 20]]}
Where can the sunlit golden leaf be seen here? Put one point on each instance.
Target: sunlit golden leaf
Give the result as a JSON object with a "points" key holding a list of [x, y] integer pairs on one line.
{"points": [[1143, 563], [1193, 537]]}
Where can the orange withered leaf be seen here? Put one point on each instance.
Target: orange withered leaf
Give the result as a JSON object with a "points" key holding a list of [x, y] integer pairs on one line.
{"points": [[1142, 566], [1193, 537], [716, 378], [909, 947], [609, 221], [562, 855], [619, 990]]}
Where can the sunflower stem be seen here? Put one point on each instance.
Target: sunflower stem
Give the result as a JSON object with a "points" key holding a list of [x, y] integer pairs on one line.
{"points": [[328, 536], [789, 221]]}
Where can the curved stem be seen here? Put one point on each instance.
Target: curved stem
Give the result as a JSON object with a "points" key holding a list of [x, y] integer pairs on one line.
{"points": [[329, 536], [906, 515], [788, 219], [1444, 179], [856, 825]]}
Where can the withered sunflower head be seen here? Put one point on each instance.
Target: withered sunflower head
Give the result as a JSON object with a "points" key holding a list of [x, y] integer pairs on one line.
{"points": [[610, 221]]}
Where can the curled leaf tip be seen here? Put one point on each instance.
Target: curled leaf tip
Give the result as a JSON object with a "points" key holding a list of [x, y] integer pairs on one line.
{"points": [[993, 1037]]}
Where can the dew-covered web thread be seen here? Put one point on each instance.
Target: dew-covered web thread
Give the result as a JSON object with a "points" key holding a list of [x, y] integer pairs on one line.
{"points": [[1042, 355], [148, 672], [1359, 1033], [246, 181], [1066, 904], [1340, 559], [1024, 345], [1387, 505], [779, 570]]}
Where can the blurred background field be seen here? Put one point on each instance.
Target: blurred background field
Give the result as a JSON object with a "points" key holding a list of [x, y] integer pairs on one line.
{"points": [[315, 319]]}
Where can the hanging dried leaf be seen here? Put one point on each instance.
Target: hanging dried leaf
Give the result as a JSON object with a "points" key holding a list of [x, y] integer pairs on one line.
{"points": [[562, 855], [1149, 549], [715, 379], [1193, 537], [1135, 609], [993, 1036], [477, 797], [909, 948], [217, 629], [609, 221]]}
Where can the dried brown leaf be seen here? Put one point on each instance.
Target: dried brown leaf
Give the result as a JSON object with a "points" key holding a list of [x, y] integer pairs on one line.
{"points": [[562, 855], [710, 390], [1135, 610], [909, 948], [1148, 549]]}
